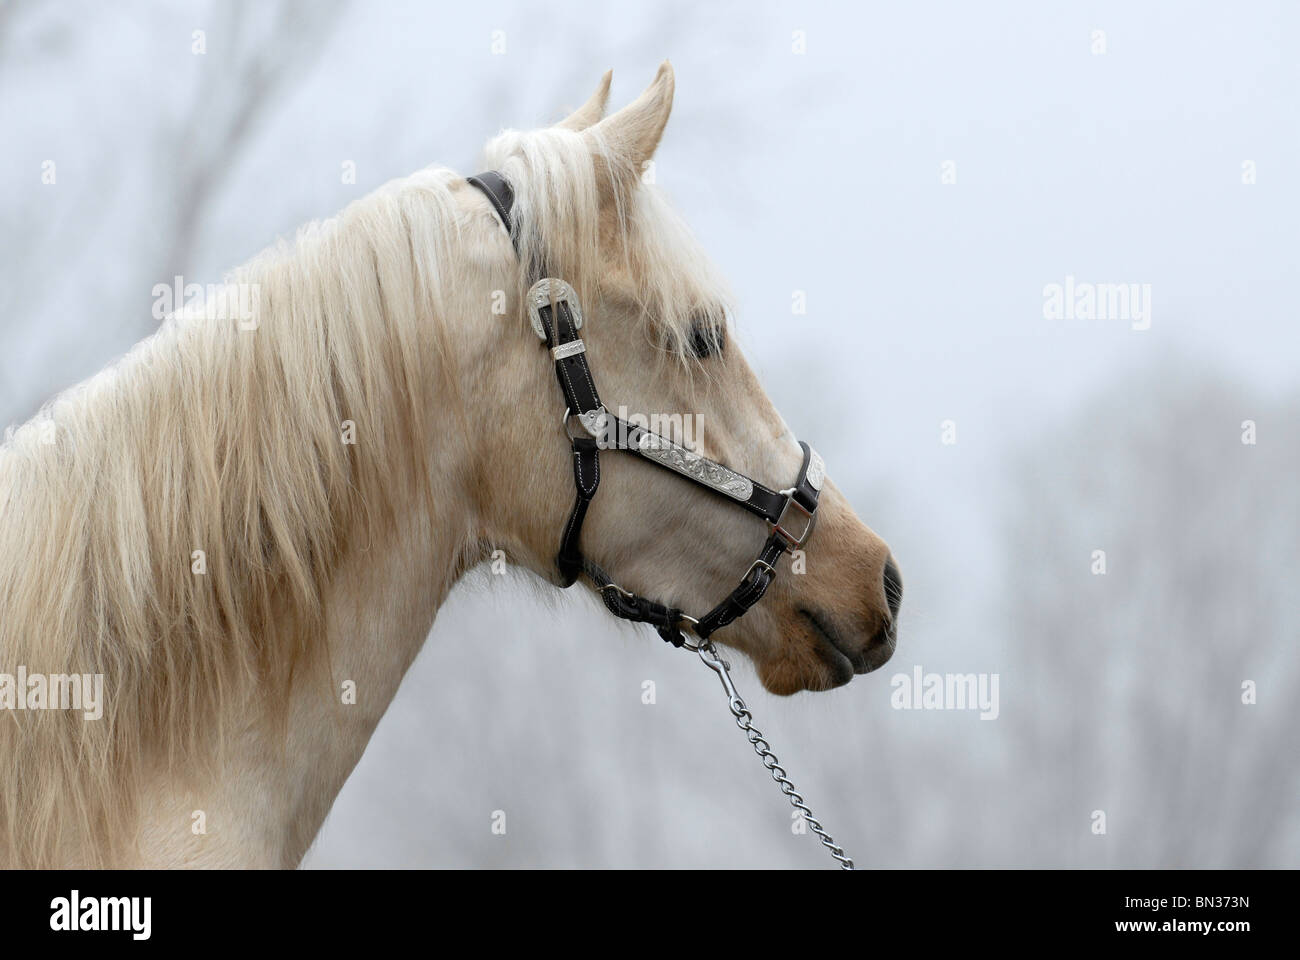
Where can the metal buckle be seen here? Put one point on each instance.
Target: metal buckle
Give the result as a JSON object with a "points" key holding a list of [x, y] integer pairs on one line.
{"points": [[545, 292], [594, 422], [793, 542]]}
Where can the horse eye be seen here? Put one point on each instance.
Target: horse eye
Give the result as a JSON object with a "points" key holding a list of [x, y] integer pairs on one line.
{"points": [[705, 339]]}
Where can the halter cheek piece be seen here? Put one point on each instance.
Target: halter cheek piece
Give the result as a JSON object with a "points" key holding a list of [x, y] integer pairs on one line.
{"points": [[556, 317]]}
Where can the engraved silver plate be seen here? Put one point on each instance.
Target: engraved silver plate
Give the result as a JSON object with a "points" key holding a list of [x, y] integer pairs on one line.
{"points": [[569, 349], [691, 464], [550, 290], [594, 422], [816, 470]]}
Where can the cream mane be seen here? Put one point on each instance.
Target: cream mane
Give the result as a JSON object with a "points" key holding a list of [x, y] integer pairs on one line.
{"points": [[557, 176], [226, 441]]}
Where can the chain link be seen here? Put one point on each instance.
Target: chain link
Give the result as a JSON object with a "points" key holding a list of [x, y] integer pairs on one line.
{"points": [[744, 719]]}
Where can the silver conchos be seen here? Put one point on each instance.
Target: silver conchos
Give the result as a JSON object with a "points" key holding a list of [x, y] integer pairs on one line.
{"points": [[550, 290], [691, 464], [816, 470]]}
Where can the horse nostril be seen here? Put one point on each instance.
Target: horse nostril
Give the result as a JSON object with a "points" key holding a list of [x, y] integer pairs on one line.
{"points": [[893, 587]]}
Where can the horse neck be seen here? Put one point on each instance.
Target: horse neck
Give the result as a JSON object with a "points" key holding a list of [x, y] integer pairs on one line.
{"points": [[399, 539], [405, 538]]}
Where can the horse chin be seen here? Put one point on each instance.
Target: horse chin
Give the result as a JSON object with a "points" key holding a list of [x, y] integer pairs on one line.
{"points": [[813, 655], [785, 677], [807, 661]]}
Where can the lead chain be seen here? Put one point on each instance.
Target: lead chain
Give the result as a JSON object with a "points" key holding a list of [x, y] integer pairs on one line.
{"points": [[744, 720]]}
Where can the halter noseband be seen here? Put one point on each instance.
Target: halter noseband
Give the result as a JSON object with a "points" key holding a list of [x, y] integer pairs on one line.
{"points": [[556, 318]]}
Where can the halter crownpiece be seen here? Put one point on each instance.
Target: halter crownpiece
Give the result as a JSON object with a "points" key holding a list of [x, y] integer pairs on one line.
{"points": [[556, 318]]}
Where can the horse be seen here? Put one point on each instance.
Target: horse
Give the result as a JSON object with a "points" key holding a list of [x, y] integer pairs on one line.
{"points": [[246, 525]]}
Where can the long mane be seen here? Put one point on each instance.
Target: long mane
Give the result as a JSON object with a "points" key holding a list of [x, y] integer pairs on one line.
{"points": [[228, 441], [174, 522]]}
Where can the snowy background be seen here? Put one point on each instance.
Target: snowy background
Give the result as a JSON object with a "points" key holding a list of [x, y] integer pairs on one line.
{"points": [[1152, 143]]}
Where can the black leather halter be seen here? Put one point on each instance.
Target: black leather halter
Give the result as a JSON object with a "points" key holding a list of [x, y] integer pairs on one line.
{"points": [[556, 317]]}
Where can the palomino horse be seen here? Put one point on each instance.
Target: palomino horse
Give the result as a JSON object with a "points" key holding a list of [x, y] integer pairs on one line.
{"points": [[246, 527]]}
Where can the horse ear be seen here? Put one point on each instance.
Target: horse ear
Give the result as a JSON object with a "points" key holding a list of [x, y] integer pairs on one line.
{"points": [[591, 111], [624, 142]]}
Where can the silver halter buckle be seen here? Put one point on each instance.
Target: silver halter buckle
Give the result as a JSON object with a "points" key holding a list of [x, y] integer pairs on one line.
{"points": [[549, 291], [792, 541]]}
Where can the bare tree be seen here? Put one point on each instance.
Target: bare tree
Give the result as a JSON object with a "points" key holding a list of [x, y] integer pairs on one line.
{"points": [[264, 51], [1132, 675], [260, 52]]}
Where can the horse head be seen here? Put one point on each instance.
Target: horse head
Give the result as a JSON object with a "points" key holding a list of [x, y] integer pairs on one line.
{"points": [[658, 337]]}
